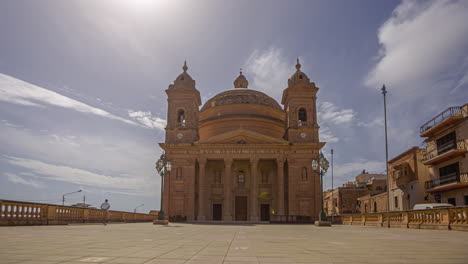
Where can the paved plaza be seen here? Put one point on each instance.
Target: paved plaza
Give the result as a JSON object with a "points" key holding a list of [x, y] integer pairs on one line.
{"points": [[191, 243]]}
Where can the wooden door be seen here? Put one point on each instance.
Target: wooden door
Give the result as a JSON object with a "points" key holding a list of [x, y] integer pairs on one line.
{"points": [[265, 212], [217, 212], [241, 208]]}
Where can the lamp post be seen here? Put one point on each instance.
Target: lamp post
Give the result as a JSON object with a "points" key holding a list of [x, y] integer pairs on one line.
{"points": [[384, 92], [322, 165], [63, 196], [134, 210], [333, 202], [163, 166]]}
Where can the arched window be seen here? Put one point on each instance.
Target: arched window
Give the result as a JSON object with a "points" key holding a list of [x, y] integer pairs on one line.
{"points": [[375, 207], [302, 115], [217, 177], [304, 174], [179, 174], [181, 117], [264, 177], [240, 177]]}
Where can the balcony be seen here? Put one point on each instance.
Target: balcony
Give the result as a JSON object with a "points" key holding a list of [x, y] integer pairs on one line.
{"points": [[442, 120], [445, 152], [447, 182]]}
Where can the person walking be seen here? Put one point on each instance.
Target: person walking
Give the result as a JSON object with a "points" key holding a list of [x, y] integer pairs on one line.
{"points": [[105, 206]]}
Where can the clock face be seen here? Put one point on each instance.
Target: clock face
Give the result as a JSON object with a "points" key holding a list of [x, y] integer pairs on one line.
{"points": [[303, 135], [180, 135]]}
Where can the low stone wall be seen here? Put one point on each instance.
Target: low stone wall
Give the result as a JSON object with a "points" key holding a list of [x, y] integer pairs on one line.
{"points": [[13, 213], [455, 218], [292, 219]]}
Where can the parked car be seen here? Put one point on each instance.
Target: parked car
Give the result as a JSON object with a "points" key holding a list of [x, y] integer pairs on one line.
{"points": [[431, 206]]}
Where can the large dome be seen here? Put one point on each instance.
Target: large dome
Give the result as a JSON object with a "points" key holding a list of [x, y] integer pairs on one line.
{"points": [[241, 96], [241, 108]]}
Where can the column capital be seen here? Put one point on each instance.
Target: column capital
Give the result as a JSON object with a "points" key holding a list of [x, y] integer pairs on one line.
{"points": [[202, 161], [254, 161], [280, 161], [228, 162]]}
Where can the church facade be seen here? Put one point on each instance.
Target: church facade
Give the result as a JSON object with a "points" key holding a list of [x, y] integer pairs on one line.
{"points": [[241, 156]]}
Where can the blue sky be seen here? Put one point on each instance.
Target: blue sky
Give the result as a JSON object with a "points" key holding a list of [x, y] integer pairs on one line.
{"points": [[82, 102]]}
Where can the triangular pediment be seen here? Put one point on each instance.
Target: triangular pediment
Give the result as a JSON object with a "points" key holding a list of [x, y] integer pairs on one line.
{"points": [[242, 136]]}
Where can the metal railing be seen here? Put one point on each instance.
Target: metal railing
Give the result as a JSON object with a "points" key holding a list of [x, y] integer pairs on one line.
{"points": [[446, 179], [461, 144], [449, 112], [447, 146]]}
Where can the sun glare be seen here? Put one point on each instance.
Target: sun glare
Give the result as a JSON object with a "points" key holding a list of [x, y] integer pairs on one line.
{"points": [[143, 5]]}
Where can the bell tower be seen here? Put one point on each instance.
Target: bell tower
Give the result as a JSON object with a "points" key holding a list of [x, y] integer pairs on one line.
{"points": [[299, 101], [182, 115]]}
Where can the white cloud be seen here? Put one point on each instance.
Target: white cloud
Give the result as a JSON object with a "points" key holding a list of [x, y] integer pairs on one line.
{"points": [[423, 44], [268, 71], [327, 136], [328, 112], [75, 175], [351, 169], [147, 120], [376, 122], [16, 91], [19, 180]]}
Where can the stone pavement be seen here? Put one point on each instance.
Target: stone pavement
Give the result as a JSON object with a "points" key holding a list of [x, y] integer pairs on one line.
{"points": [[190, 243]]}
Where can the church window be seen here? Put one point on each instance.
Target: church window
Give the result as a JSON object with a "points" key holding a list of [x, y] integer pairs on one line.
{"points": [[179, 174], [264, 177], [300, 76], [304, 174], [241, 177], [181, 117], [302, 115], [217, 177]]}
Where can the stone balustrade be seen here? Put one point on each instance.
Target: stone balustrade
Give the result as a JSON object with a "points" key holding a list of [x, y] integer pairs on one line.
{"points": [[14, 213], [455, 218]]}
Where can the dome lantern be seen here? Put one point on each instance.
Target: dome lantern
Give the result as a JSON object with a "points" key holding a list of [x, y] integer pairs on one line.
{"points": [[241, 81]]}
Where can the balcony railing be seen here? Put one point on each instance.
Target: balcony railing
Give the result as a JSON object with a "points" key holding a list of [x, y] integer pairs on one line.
{"points": [[25, 213], [451, 218], [449, 112], [447, 179], [446, 147]]}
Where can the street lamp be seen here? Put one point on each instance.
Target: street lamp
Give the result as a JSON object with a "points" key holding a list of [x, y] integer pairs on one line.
{"points": [[384, 92], [333, 202], [134, 210], [63, 196], [163, 166], [322, 165]]}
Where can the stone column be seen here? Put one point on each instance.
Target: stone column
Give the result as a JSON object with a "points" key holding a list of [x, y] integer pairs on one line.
{"points": [[188, 172], [166, 194], [253, 190], [227, 207], [280, 166], [202, 190]]}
